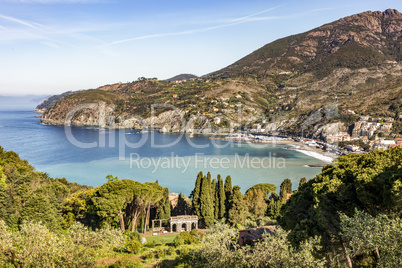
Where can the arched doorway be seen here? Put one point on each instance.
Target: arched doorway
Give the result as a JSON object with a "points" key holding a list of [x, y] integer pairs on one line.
{"points": [[184, 227]]}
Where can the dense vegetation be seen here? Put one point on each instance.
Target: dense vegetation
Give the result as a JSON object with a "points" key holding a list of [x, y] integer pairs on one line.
{"points": [[349, 215], [215, 200], [371, 183], [28, 194]]}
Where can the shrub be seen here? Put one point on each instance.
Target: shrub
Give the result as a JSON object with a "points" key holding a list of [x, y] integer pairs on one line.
{"points": [[160, 252], [151, 244], [35, 246], [220, 249], [187, 238], [198, 236], [178, 241], [133, 246], [149, 255], [133, 235], [126, 262], [171, 251], [132, 242]]}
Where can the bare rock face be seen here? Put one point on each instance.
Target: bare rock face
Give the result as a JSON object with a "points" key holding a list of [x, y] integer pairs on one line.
{"points": [[379, 32], [328, 129], [86, 114], [169, 121], [371, 29]]}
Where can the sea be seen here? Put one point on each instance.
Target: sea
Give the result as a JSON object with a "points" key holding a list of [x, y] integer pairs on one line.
{"points": [[88, 155]]}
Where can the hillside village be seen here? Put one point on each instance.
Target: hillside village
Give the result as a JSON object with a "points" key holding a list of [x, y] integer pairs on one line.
{"points": [[373, 131], [367, 134]]}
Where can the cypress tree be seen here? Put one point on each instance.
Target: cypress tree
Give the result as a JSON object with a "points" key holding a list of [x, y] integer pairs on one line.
{"points": [[237, 209], [285, 189], [215, 198], [274, 208], [228, 194], [221, 198], [196, 195], [206, 205], [181, 205]]}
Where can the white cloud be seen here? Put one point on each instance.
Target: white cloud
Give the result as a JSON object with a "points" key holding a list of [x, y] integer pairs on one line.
{"points": [[236, 21], [17, 30], [22, 22]]}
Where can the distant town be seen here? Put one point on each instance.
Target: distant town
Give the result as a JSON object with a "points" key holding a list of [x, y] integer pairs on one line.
{"points": [[368, 133]]}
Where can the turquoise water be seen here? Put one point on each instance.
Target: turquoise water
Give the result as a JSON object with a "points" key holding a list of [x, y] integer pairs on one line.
{"points": [[173, 160]]}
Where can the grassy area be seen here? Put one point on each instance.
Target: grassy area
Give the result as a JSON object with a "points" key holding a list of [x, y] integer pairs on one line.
{"points": [[157, 239]]}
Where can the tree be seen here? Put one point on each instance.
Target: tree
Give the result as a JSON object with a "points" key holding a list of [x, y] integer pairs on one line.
{"points": [[237, 210], [285, 189], [206, 205], [39, 209], [222, 198], [111, 178], [182, 207], [112, 198], [163, 208], [274, 208], [21, 186], [214, 198], [369, 182], [256, 202], [302, 182], [77, 207], [267, 188], [195, 194], [369, 236], [152, 194], [228, 194]]}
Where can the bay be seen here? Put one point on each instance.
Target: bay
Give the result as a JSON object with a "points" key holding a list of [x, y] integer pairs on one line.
{"points": [[88, 155]]}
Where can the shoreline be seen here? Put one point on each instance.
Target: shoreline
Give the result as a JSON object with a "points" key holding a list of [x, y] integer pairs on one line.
{"points": [[298, 146], [313, 152], [317, 155]]}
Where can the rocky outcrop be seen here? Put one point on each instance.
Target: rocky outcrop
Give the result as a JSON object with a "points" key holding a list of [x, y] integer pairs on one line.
{"points": [[87, 114], [328, 129]]}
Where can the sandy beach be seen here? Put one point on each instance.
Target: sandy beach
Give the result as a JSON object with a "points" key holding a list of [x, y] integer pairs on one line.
{"points": [[311, 151]]}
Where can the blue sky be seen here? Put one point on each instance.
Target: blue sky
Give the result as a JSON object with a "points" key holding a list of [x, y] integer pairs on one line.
{"points": [[51, 46]]}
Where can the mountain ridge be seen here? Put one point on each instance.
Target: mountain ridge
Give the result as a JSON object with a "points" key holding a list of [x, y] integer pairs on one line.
{"points": [[319, 43], [181, 77], [354, 62]]}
